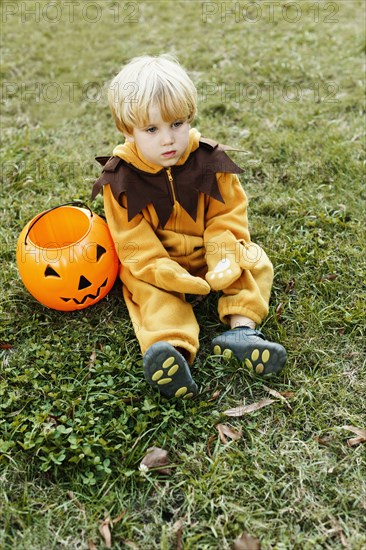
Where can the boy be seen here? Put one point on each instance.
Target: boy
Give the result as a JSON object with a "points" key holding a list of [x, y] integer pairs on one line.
{"points": [[178, 216]]}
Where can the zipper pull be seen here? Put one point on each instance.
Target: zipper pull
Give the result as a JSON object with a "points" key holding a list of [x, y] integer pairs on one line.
{"points": [[170, 177], [171, 181]]}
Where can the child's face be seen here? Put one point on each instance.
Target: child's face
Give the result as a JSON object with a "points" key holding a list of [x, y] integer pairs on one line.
{"points": [[161, 142]]}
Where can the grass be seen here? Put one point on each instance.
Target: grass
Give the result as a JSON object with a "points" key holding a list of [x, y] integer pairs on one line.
{"points": [[76, 417]]}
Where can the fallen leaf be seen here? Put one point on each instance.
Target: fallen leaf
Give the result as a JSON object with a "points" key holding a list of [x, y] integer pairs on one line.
{"points": [[277, 394], [225, 430], [91, 545], [77, 503], [105, 531], [327, 440], [337, 529], [118, 518], [178, 529], [288, 394], [329, 277], [290, 285], [246, 409], [92, 359], [5, 345], [215, 395], [353, 441], [156, 458], [246, 542], [360, 432], [279, 310], [210, 440]]}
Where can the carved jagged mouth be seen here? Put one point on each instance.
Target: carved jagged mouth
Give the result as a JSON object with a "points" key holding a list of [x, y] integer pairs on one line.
{"points": [[91, 296]]}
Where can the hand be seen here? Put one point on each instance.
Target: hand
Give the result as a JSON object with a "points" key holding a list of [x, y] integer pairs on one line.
{"points": [[223, 275], [227, 257], [171, 276]]}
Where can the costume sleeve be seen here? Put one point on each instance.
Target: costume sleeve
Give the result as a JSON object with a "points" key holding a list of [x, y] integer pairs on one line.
{"points": [[229, 249], [230, 215], [140, 250]]}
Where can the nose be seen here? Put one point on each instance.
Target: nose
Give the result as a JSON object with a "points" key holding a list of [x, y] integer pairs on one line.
{"points": [[167, 137]]}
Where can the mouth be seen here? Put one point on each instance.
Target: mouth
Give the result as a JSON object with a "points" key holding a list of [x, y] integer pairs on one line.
{"points": [[92, 296], [169, 154]]}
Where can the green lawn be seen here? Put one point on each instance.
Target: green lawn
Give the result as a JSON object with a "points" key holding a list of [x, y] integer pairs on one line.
{"points": [[284, 81]]}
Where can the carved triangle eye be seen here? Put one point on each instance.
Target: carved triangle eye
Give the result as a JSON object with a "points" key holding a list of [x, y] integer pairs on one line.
{"points": [[50, 272], [83, 283], [100, 251]]}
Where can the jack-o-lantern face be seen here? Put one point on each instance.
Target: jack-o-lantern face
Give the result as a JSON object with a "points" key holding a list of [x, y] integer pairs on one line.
{"points": [[66, 258]]}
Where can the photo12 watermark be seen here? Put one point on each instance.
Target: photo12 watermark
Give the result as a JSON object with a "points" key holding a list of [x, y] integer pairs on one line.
{"points": [[269, 11], [52, 92], [236, 92], [253, 92], [70, 10]]}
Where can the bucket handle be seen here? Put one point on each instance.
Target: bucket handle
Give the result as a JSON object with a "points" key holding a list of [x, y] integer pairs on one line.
{"points": [[79, 204]]}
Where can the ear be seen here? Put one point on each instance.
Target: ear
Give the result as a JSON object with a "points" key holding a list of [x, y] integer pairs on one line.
{"points": [[129, 137]]}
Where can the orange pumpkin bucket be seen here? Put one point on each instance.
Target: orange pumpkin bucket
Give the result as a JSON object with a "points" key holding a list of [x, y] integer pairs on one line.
{"points": [[66, 257]]}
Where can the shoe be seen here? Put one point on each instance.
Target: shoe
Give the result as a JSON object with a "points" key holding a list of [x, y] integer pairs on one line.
{"points": [[250, 347], [167, 371]]}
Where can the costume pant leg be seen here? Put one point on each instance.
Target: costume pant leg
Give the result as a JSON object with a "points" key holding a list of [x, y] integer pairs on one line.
{"points": [[249, 295], [158, 315]]}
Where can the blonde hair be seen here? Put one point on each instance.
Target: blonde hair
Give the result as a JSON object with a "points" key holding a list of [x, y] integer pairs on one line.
{"points": [[146, 81]]}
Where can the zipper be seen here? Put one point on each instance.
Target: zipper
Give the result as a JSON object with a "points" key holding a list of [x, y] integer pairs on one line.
{"points": [[171, 182], [174, 201]]}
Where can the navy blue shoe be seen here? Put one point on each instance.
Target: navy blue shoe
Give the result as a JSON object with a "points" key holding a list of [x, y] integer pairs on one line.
{"points": [[250, 347], [167, 371]]}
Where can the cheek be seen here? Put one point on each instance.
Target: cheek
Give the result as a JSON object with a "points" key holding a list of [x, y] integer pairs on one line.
{"points": [[184, 136]]}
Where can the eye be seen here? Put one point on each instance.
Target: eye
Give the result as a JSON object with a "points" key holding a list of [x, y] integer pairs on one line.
{"points": [[83, 283], [177, 124], [100, 251], [151, 129], [50, 272]]}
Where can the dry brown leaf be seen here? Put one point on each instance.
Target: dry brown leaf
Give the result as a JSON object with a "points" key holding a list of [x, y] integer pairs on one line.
{"points": [[246, 409], [77, 503], [156, 458], [210, 440], [91, 545], [279, 310], [353, 441], [326, 440], [329, 277], [287, 394], [277, 394], [361, 435], [290, 285], [178, 529], [92, 359], [337, 529], [246, 542], [118, 518], [105, 531], [225, 430], [5, 345], [215, 395], [358, 431]]}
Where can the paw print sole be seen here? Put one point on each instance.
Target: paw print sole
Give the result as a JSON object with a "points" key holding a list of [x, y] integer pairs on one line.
{"points": [[260, 358], [166, 370]]}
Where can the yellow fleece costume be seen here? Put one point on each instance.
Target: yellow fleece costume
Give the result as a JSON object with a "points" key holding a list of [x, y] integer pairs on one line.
{"points": [[190, 236]]}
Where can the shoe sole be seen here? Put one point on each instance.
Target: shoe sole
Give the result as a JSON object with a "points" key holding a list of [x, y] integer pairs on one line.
{"points": [[261, 357], [166, 370]]}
